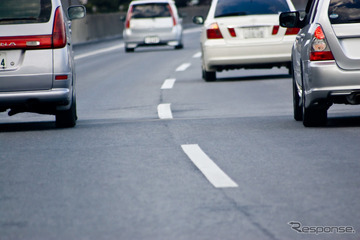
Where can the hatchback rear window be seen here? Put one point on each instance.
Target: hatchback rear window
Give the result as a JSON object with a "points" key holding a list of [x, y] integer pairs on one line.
{"points": [[24, 11], [226, 8], [344, 11], [151, 10]]}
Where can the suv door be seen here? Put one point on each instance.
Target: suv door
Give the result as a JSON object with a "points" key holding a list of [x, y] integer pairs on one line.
{"points": [[26, 57]]}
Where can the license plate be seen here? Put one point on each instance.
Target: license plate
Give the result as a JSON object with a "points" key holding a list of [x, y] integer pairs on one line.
{"points": [[3, 62], [152, 40], [253, 32]]}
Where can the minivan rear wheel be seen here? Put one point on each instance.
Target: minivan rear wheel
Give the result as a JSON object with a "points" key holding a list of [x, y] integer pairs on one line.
{"points": [[67, 118]]}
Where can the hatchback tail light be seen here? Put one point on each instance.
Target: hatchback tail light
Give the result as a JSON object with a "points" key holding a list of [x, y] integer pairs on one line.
{"points": [[128, 17], [320, 50], [172, 15], [213, 32], [56, 40]]}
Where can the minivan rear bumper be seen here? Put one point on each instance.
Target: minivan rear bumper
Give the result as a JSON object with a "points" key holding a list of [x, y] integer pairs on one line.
{"points": [[55, 97]]}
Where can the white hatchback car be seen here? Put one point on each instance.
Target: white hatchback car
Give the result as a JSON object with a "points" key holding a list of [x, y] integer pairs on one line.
{"points": [[245, 34], [152, 23]]}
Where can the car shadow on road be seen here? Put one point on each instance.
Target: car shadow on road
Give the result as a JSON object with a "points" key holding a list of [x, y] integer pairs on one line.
{"points": [[253, 78], [339, 122], [26, 127]]}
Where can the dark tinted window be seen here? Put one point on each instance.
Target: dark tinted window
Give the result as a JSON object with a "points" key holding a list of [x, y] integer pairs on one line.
{"points": [[151, 10], [344, 11], [24, 11], [250, 7]]}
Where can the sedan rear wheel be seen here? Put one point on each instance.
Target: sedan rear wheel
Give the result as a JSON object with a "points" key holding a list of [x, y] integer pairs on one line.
{"points": [[208, 76]]}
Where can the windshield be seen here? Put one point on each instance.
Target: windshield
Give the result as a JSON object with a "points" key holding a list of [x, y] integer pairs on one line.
{"points": [[24, 11], [344, 11], [151, 10], [226, 8]]}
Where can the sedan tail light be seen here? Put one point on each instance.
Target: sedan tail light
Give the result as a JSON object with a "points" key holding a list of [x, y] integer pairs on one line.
{"points": [[320, 50], [275, 30], [232, 31], [213, 32], [292, 31], [56, 40]]}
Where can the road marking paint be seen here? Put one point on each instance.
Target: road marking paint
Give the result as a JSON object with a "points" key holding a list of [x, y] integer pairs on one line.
{"points": [[209, 168], [197, 55], [164, 111], [168, 84], [183, 67], [104, 50]]}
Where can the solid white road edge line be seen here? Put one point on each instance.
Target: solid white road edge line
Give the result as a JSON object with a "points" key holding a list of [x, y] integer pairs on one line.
{"points": [[183, 67], [164, 111], [168, 83], [104, 50], [210, 170]]}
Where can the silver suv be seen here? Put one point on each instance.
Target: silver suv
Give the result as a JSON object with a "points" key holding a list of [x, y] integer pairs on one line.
{"points": [[325, 57], [36, 61]]}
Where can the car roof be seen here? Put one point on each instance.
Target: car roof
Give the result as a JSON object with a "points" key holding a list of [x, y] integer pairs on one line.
{"points": [[150, 1]]}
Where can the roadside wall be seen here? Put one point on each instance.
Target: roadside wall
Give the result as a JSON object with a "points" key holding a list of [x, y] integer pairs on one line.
{"points": [[101, 26]]}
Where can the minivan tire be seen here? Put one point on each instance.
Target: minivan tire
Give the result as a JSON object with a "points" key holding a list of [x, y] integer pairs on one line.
{"points": [[67, 118]]}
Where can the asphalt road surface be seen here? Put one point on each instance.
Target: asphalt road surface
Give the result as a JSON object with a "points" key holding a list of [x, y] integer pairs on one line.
{"points": [[158, 153]]}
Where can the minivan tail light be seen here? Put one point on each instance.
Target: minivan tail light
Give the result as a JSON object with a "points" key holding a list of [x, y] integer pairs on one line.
{"points": [[292, 31], [26, 42], [213, 32], [59, 32], [320, 50]]}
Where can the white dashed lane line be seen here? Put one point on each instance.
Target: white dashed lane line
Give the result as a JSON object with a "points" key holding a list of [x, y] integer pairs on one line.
{"points": [[164, 111], [168, 83], [197, 55], [183, 67], [209, 168]]}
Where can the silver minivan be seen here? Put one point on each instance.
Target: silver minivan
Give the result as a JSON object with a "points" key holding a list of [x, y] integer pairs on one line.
{"points": [[152, 23], [36, 61], [325, 57]]}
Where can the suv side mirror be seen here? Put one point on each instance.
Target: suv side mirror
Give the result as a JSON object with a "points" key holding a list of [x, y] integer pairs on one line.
{"points": [[290, 20], [76, 12], [198, 20]]}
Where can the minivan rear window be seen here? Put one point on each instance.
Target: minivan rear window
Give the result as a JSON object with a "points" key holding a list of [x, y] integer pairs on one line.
{"points": [[24, 11], [344, 11], [151, 10], [229, 8]]}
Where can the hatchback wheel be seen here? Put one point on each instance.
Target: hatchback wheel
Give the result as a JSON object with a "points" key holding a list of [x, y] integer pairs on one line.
{"points": [[298, 111], [67, 118], [208, 76], [129, 49], [313, 117]]}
